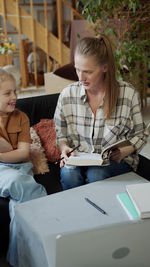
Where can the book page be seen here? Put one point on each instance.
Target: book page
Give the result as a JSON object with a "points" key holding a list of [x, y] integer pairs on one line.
{"points": [[85, 159]]}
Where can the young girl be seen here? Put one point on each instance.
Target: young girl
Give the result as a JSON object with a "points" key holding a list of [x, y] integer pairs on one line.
{"points": [[16, 177]]}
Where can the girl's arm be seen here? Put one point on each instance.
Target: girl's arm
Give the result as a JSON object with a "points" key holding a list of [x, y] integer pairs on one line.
{"points": [[18, 155], [4, 145]]}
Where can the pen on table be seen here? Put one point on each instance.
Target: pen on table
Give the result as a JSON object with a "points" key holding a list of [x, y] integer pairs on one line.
{"points": [[95, 205], [67, 154]]}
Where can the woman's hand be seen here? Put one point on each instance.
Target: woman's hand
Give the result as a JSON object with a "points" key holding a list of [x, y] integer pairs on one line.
{"points": [[120, 153], [65, 151]]}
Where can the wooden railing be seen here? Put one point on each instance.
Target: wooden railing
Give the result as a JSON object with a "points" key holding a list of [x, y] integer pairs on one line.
{"points": [[54, 46]]}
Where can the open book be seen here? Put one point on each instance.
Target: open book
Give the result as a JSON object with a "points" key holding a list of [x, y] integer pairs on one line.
{"points": [[92, 159]]}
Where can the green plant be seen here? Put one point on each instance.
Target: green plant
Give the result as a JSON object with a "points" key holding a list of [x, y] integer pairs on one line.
{"points": [[127, 23]]}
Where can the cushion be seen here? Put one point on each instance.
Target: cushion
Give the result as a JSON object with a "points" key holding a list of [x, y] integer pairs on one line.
{"points": [[37, 155], [67, 71], [46, 131]]}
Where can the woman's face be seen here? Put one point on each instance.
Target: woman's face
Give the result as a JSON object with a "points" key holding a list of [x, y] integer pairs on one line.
{"points": [[89, 72]]}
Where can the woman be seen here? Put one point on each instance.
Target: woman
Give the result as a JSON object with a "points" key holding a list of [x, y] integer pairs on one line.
{"points": [[96, 112]]}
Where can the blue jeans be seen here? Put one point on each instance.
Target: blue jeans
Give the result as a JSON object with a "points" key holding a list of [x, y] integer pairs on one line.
{"points": [[17, 183], [73, 176]]}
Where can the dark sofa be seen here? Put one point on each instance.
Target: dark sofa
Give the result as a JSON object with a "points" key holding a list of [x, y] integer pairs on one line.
{"points": [[37, 108]]}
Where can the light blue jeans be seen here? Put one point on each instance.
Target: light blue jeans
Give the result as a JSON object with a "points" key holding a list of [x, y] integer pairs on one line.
{"points": [[73, 176], [18, 184]]}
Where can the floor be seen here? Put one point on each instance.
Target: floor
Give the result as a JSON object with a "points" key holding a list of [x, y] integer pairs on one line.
{"points": [[41, 91], [3, 262]]}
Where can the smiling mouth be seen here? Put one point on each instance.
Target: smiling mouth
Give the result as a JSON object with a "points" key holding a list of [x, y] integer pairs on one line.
{"points": [[85, 84], [12, 104]]}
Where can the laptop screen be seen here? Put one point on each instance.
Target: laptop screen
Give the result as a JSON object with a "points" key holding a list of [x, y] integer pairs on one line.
{"points": [[125, 244]]}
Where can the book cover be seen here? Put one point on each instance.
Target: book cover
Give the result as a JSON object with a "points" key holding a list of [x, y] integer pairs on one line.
{"points": [[128, 206], [140, 196], [93, 159]]}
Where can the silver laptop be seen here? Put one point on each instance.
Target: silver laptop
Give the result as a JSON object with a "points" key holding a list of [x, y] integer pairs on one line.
{"points": [[121, 245]]}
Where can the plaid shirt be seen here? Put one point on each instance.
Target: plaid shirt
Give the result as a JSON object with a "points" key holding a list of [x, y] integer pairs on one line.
{"points": [[76, 124]]}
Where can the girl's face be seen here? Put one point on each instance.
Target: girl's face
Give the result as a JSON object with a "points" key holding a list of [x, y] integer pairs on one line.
{"points": [[8, 97], [89, 72]]}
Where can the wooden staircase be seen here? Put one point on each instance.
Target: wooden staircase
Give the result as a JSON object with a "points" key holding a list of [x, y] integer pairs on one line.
{"points": [[25, 23]]}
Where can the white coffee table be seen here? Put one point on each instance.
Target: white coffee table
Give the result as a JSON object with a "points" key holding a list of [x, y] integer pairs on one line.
{"points": [[40, 221]]}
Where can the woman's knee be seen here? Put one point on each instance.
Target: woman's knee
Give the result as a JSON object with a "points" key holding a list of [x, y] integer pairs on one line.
{"points": [[71, 177], [96, 173]]}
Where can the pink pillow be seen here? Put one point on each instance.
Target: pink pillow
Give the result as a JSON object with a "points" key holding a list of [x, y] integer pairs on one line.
{"points": [[46, 131]]}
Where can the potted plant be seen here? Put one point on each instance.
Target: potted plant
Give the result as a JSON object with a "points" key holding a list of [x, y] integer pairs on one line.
{"points": [[127, 23], [6, 50]]}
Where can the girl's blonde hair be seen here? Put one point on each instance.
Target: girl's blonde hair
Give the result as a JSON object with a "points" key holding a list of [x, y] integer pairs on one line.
{"points": [[101, 49], [4, 76]]}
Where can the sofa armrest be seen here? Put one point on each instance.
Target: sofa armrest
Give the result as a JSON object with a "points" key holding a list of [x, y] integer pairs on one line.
{"points": [[143, 168]]}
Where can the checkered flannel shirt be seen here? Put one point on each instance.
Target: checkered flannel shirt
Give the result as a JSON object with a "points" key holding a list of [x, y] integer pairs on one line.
{"points": [[75, 121]]}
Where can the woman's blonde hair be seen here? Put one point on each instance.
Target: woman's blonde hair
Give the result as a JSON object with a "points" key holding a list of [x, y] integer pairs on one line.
{"points": [[4, 76], [101, 49]]}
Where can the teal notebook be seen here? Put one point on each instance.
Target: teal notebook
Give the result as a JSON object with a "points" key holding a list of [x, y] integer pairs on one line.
{"points": [[128, 206]]}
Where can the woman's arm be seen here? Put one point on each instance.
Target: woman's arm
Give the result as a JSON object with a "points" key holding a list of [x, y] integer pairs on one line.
{"points": [[18, 155], [60, 123], [139, 133]]}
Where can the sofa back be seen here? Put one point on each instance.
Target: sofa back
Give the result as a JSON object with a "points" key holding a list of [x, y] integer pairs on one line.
{"points": [[38, 107]]}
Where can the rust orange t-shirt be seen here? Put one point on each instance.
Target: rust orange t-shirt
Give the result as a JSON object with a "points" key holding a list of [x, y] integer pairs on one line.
{"points": [[15, 128]]}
